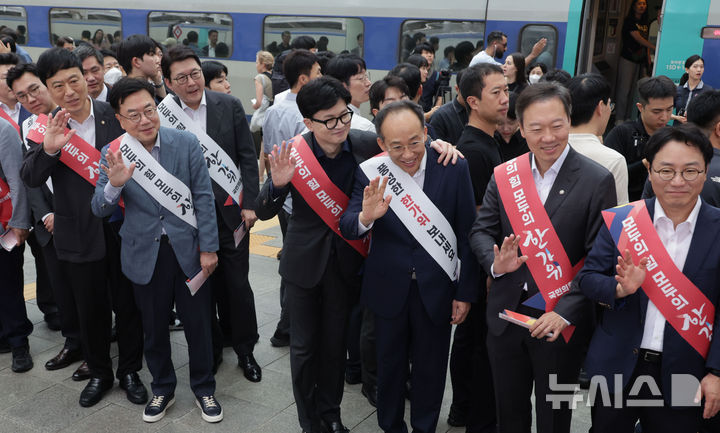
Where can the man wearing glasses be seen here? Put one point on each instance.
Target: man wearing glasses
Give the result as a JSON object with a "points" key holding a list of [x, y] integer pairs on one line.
{"points": [[219, 122], [653, 267], [591, 110], [163, 244]]}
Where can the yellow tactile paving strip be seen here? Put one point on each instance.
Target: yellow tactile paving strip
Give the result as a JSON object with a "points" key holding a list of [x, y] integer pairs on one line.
{"points": [[257, 246]]}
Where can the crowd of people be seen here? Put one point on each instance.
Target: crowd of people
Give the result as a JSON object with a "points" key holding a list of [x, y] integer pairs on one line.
{"points": [[134, 177]]}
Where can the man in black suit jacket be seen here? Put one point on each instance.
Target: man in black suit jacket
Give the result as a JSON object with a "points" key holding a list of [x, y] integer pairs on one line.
{"points": [[222, 117], [320, 268], [87, 247], [574, 190]]}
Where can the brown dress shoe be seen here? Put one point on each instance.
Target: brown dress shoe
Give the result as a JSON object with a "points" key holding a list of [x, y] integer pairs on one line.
{"points": [[82, 373], [64, 359]]}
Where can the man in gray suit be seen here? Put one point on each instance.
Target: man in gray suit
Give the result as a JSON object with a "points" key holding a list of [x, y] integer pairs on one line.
{"points": [[564, 192], [160, 248]]}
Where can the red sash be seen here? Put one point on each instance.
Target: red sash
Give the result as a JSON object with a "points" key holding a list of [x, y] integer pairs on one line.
{"points": [[5, 204], [548, 263], [681, 303], [326, 199], [7, 117]]}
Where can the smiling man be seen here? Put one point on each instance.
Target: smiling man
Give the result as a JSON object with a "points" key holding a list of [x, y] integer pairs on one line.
{"points": [[548, 203], [413, 281]]}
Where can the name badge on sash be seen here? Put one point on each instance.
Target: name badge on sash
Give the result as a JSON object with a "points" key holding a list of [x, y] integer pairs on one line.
{"points": [[418, 214], [683, 305], [165, 188], [547, 260], [222, 169], [7, 117], [314, 185]]}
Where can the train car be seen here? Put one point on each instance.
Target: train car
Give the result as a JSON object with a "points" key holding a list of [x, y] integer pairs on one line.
{"points": [[583, 35]]}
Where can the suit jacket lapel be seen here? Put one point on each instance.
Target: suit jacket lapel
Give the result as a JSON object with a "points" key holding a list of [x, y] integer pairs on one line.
{"points": [[101, 130], [214, 114], [432, 174], [703, 239], [565, 181]]}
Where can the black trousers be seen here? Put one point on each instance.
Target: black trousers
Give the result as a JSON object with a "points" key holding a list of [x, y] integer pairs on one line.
{"points": [[14, 324], [608, 419], [518, 363], [87, 284], [368, 349], [353, 363], [318, 323], [232, 293], [283, 326], [62, 293], [43, 283], [155, 301], [472, 385], [127, 314], [411, 335]]}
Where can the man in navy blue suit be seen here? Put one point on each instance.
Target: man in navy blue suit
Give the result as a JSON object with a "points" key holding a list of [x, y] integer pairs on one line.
{"points": [[413, 281], [640, 334]]}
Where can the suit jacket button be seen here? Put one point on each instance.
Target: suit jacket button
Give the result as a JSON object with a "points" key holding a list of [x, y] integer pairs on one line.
{"points": [[162, 217], [157, 240], [635, 351]]}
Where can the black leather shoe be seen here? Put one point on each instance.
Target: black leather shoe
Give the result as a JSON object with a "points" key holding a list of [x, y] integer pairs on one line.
{"points": [[21, 359], [134, 388], [52, 321], [352, 377], [82, 373], [370, 393], [333, 427], [94, 391], [279, 339], [64, 359], [252, 370], [456, 417]]}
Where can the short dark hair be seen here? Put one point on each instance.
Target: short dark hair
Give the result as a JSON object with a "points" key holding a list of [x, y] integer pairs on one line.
{"points": [[321, 94], [125, 87], [212, 69], [449, 49], [54, 60], [424, 46], [411, 75], [395, 107], [135, 46], [542, 92], [303, 42], [18, 71], [192, 36], [212, 31], [62, 40], [86, 34], [540, 65], [472, 80], [556, 75], [9, 59], [378, 89], [463, 52], [345, 66], [685, 133], [324, 58], [297, 63], [222, 50], [495, 36], [703, 111], [418, 60], [178, 53], [657, 87], [587, 91], [108, 53], [84, 51]]}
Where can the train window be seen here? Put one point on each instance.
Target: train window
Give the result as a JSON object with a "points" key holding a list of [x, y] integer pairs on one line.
{"points": [[208, 34], [532, 33], [331, 34], [16, 19], [102, 27], [441, 34]]}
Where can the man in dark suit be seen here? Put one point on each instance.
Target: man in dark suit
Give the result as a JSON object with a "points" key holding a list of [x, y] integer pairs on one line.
{"points": [[161, 250], [570, 191], [414, 299], [321, 290], [88, 248], [222, 117], [636, 338]]}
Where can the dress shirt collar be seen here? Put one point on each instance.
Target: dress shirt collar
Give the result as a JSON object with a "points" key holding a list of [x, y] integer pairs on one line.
{"points": [[91, 116], [11, 111], [698, 87], [203, 102], [555, 168], [319, 153], [104, 94], [354, 109], [420, 174], [659, 216]]}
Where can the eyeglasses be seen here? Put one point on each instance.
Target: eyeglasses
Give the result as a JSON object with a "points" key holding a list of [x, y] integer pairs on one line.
{"points": [[332, 123], [33, 91], [401, 149], [195, 74], [149, 113], [361, 77], [668, 174]]}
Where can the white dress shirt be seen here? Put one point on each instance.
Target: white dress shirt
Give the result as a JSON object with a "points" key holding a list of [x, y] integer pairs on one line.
{"points": [[677, 243], [590, 146], [13, 112], [198, 116], [103, 95], [418, 177], [359, 121], [86, 128]]}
